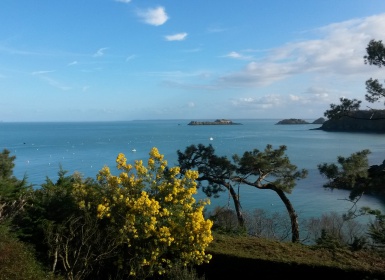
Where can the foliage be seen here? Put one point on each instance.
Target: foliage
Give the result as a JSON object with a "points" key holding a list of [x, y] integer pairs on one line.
{"points": [[377, 230], [350, 173], [155, 214], [375, 56], [272, 168], [215, 171], [329, 241], [17, 260], [68, 238], [269, 169], [182, 272], [344, 109], [13, 192]]}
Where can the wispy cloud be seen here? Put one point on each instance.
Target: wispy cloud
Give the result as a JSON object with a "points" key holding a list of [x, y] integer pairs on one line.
{"points": [[176, 37], [123, 1], [54, 83], [42, 72], [131, 57], [215, 30], [100, 52], [72, 63], [339, 50], [153, 16], [193, 50]]}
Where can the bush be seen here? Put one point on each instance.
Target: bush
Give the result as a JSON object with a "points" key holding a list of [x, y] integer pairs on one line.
{"points": [[17, 261], [153, 210]]}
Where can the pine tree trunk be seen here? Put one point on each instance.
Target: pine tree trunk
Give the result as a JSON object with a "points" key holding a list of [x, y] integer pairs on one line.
{"points": [[292, 214]]}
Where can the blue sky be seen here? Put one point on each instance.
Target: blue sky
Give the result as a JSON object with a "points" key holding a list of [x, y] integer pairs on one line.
{"points": [[107, 60]]}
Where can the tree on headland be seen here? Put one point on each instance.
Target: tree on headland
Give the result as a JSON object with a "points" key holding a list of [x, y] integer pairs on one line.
{"points": [[344, 109], [375, 56], [269, 169], [375, 90]]}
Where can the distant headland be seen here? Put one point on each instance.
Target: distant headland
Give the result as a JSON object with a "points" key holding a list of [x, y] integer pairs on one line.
{"points": [[216, 122], [371, 121]]}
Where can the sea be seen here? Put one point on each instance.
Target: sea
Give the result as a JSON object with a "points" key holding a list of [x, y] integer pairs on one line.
{"points": [[42, 148]]}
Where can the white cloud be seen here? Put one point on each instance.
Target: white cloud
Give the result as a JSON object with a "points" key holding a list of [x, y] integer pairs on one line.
{"points": [[237, 55], [176, 37], [72, 63], [294, 97], [233, 55], [339, 50], [123, 1], [264, 102], [100, 52], [153, 16]]}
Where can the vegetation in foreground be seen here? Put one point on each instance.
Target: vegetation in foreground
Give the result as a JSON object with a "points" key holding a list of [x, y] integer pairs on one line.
{"points": [[146, 225]]}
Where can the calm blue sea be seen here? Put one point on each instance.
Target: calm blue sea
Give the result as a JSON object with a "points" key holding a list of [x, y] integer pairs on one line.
{"points": [[40, 148]]}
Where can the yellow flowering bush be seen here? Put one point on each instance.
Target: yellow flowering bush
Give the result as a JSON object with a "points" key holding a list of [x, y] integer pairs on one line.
{"points": [[154, 211]]}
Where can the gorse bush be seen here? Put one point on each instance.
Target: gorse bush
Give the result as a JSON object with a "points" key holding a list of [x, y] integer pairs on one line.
{"points": [[153, 210]]}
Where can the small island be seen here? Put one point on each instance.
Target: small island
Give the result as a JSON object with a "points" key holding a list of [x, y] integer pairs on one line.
{"points": [[319, 121], [216, 122], [292, 121]]}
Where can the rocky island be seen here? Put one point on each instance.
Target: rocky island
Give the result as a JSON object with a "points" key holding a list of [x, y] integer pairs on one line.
{"points": [[300, 121], [216, 122], [292, 121]]}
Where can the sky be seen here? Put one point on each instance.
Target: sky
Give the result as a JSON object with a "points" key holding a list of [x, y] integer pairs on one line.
{"points": [[122, 60]]}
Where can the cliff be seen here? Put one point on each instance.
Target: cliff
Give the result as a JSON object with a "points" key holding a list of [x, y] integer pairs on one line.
{"points": [[216, 122], [358, 121]]}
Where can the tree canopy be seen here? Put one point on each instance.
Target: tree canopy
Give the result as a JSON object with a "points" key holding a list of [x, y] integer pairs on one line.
{"points": [[375, 56], [269, 169]]}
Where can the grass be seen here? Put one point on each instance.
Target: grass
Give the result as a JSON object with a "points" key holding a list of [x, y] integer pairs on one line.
{"points": [[236, 255]]}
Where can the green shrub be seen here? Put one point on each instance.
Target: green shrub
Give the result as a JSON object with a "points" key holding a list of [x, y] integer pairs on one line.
{"points": [[17, 261]]}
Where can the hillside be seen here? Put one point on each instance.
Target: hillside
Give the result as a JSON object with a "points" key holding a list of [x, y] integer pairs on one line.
{"points": [[240, 257]]}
